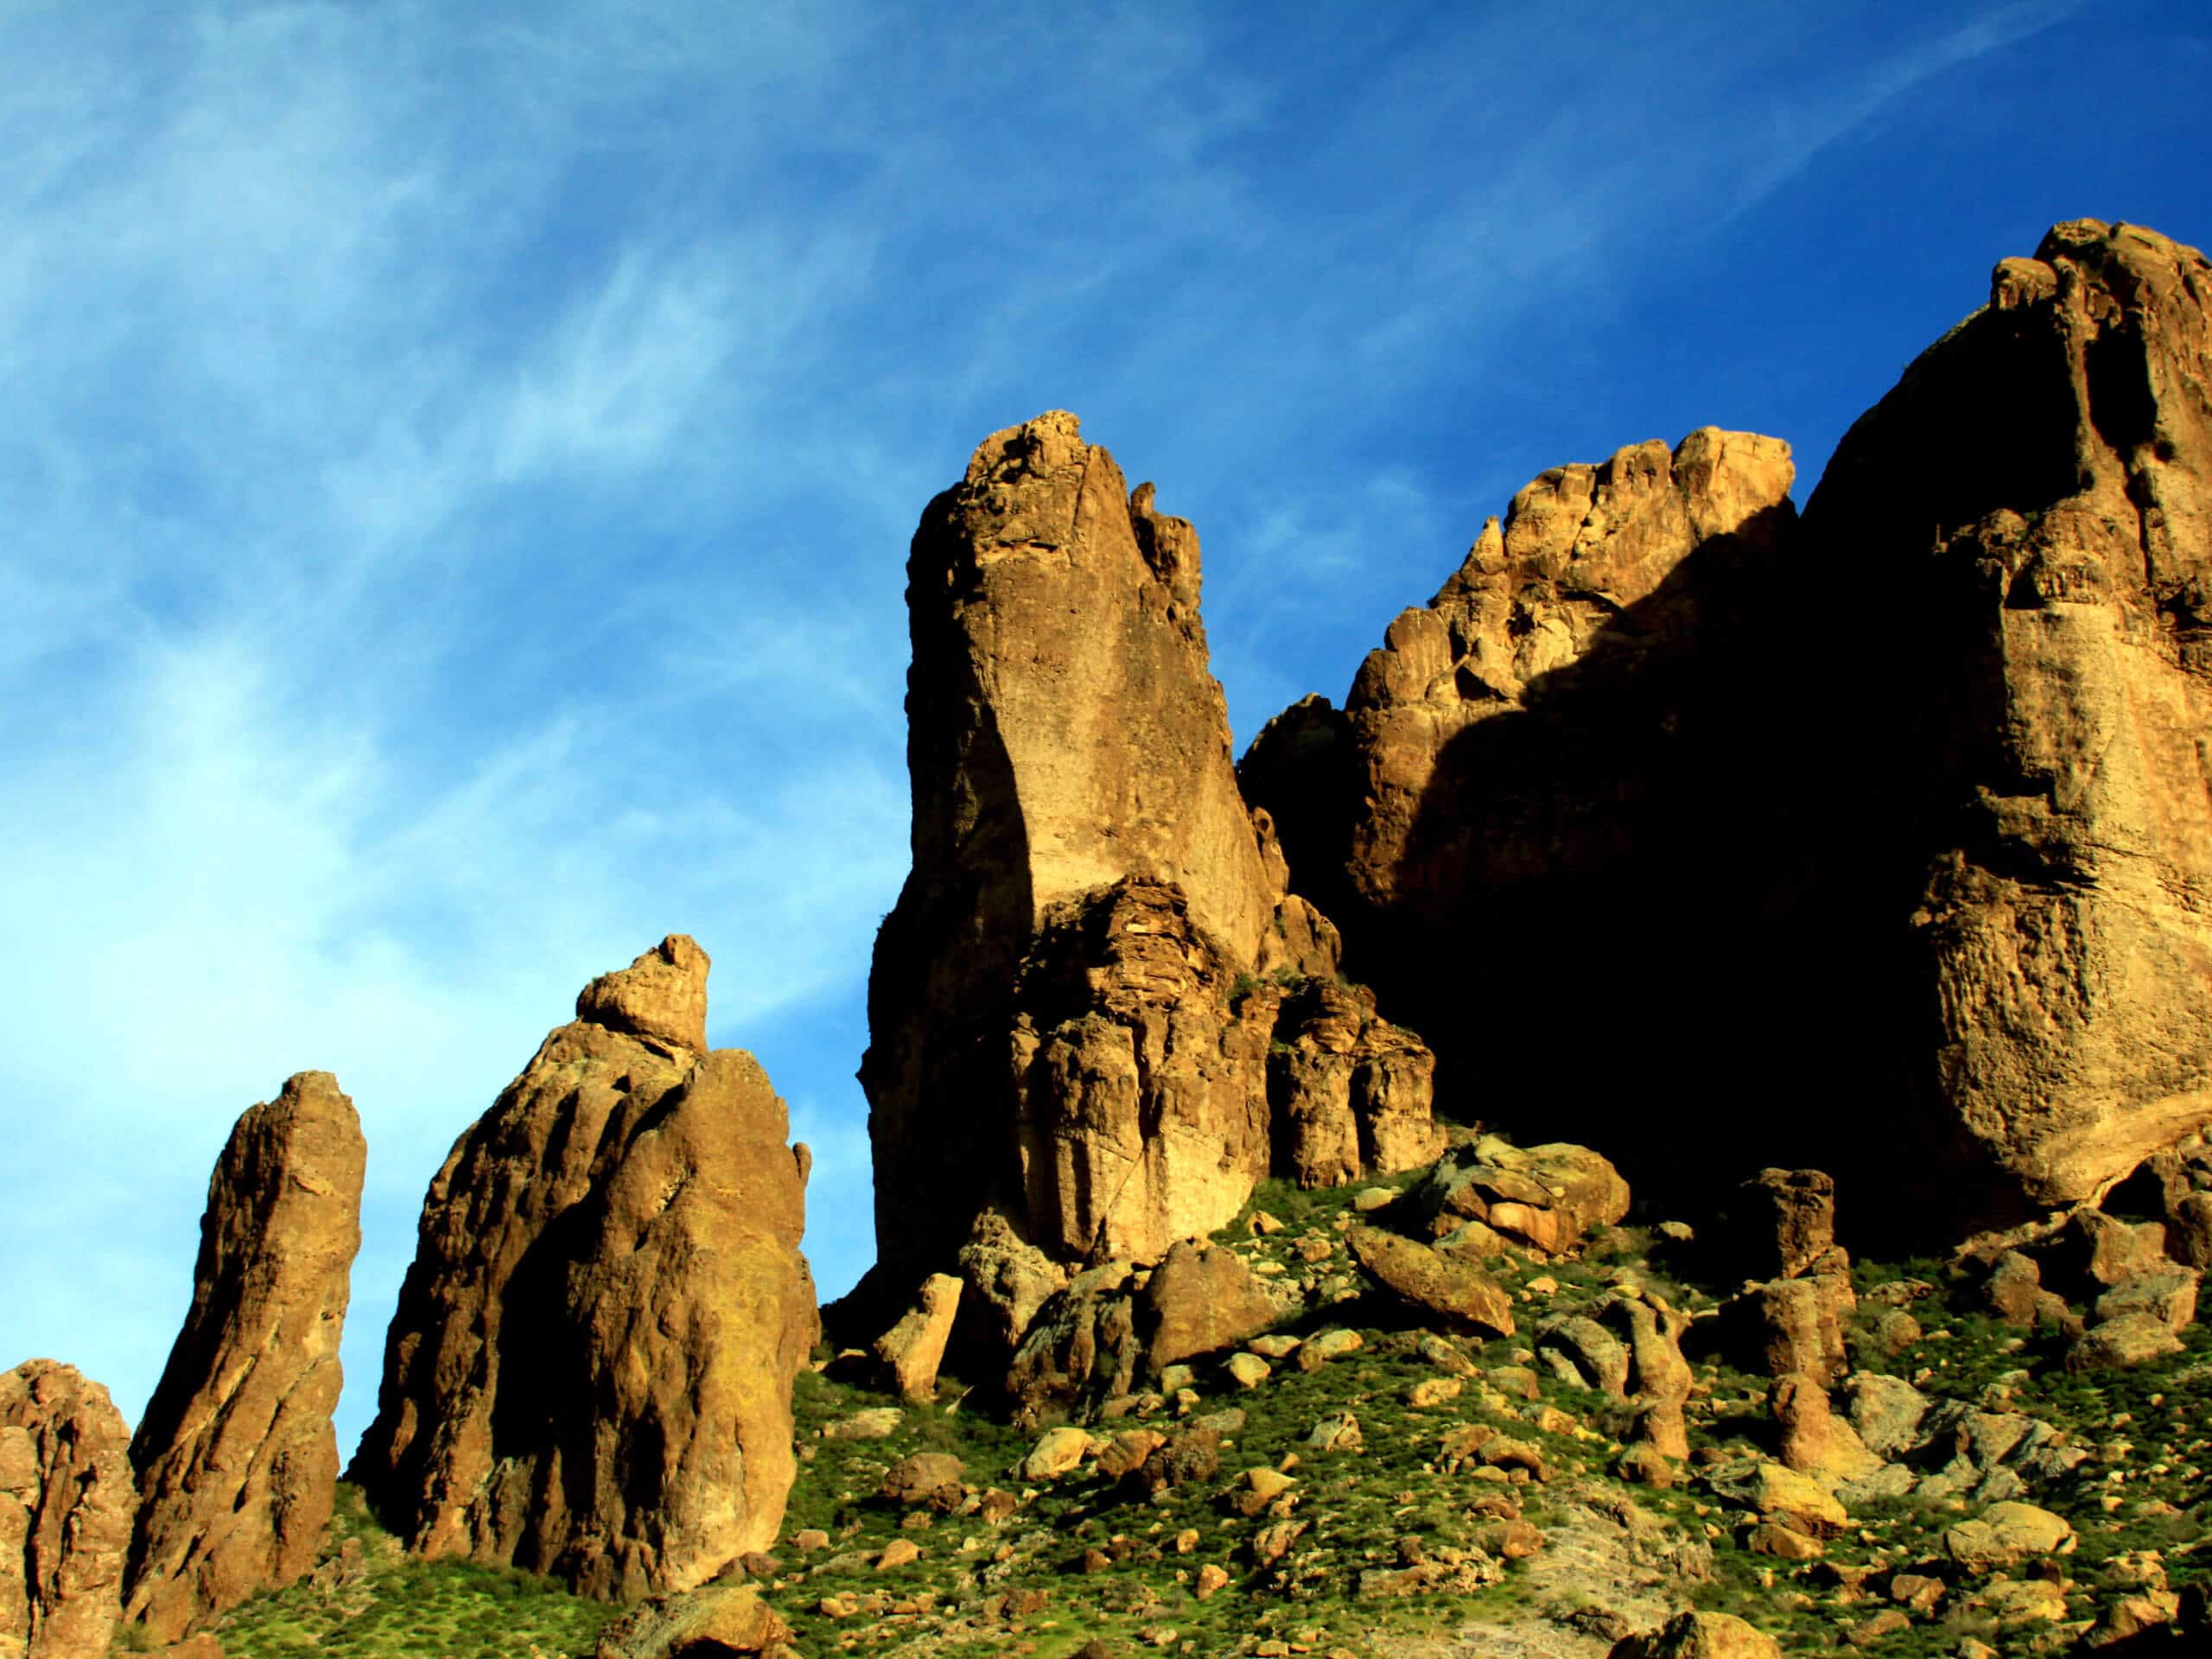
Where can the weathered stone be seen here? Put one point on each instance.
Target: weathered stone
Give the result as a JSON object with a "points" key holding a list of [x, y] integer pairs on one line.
{"points": [[1548, 1197], [1814, 1441], [1583, 1354], [1200, 1298], [1453, 1290], [2007, 1536], [1082, 1349], [2168, 1294], [1081, 956], [1349, 1092], [2131, 1339], [1056, 1452], [1795, 1223], [708, 1621], [66, 1500], [1700, 1636], [1005, 1280], [236, 1457], [590, 1371], [1247, 1370], [1774, 1491], [923, 1477], [911, 1351], [1886, 1412], [1659, 1375], [1788, 1326]]}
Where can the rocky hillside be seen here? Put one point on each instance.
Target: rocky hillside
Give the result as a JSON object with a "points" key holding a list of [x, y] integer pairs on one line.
{"points": [[1673, 1125]]}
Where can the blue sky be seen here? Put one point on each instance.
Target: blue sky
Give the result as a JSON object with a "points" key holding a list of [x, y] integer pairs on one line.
{"points": [[463, 459]]}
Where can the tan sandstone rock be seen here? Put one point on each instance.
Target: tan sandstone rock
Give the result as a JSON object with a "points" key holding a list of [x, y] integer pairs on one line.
{"points": [[1084, 957], [589, 1374], [1455, 1291], [1200, 1298], [1349, 1092], [1549, 1197], [236, 1457], [1700, 1636], [2041, 482], [912, 1350], [66, 1498]]}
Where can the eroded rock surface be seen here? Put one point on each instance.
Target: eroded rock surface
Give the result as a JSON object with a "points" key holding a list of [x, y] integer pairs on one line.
{"points": [[2040, 483], [236, 1457], [67, 1499], [590, 1371], [1090, 953]]}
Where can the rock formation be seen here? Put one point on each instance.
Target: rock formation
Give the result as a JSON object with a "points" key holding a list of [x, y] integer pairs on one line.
{"points": [[236, 1458], [1914, 784], [1071, 1007], [589, 1374], [66, 1498], [2040, 485]]}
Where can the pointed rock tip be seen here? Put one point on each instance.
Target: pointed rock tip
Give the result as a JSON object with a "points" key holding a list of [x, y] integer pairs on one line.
{"points": [[1037, 445], [661, 995]]}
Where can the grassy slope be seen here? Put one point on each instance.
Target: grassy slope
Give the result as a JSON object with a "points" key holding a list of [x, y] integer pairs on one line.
{"points": [[1363, 1506]]}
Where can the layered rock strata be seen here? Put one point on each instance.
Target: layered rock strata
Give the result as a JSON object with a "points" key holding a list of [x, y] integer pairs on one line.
{"points": [[1071, 1005], [67, 1499], [237, 1460], [590, 1371]]}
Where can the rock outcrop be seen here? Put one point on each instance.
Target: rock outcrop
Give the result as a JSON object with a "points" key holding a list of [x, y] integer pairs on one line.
{"points": [[590, 1371], [1914, 783], [2040, 485], [67, 1499], [237, 1460], [1071, 1007], [1523, 817]]}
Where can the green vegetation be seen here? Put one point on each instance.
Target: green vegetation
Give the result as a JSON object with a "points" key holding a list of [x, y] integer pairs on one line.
{"points": [[1084, 1557]]}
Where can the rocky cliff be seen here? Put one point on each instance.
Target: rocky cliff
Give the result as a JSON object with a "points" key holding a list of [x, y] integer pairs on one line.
{"points": [[1881, 836], [236, 1458], [1069, 1026], [66, 1503], [2033, 502], [589, 1374]]}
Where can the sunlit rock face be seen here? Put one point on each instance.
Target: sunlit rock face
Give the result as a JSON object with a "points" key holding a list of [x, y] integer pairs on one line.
{"points": [[590, 1371], [1065, 1032], [67, 1499], [237, 1458]]}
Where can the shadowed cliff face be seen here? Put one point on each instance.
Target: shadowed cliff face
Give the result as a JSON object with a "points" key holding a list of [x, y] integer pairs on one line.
{"points": [[1880, 842]]}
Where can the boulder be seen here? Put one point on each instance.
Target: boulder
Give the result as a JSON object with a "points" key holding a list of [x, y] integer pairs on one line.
{"points": [[1814, 1441], [925, 1477], [2006, 1536], [1583, 1354], [1886, 1412], [1201, 1297], [589, 1374], [911, 1351], [1082, 1349], [2114, 1344], [710, 1622], [1779, 1493], [1548, 1198], [1455, 1291], [66, 1501], [1082, 957], [1005, 1280], [1659, 1376], [236, 1457], [1792, 1222], [1700, 1636]]}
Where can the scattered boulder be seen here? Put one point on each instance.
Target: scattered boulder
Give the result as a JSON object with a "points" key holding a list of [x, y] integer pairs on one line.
{"points": [[930, 1478], [1006, 1279], [1547, 1197], [1199, 1299], [1583, 1354], [236, 1457], [1059, 1451], [1775, 1492], [1815, 1441], [1456, 1290], [2167, 1294], [2006, 1536], [2131, 1339], [1886, 1412], [1659, 1375], [1700, 1636], [911, 1351], [608, 1272], [1082, 1349], [709, 1622], [66, 1501]]}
